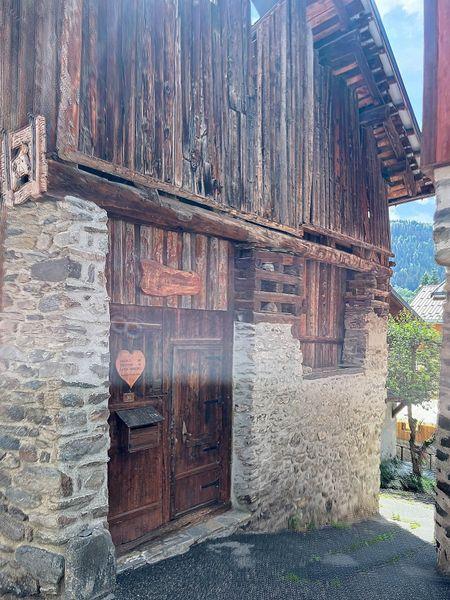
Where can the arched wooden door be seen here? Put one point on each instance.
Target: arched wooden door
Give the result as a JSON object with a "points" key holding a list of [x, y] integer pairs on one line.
{"points": [[170, 378]]}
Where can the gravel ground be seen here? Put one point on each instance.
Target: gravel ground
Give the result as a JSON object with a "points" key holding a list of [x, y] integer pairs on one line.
{"points": [[390, 557]]}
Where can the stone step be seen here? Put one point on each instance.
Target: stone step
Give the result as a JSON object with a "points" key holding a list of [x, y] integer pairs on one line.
{"points": [[179, 542]]}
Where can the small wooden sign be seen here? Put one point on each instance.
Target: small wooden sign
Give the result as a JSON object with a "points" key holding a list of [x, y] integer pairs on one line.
{"points": [[130, 365], [160, 280]]}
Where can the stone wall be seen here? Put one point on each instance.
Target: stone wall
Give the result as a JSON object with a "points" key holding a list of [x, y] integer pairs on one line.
{"points": [[54, 360], [307, 449], [389, 434], [442, 240]]}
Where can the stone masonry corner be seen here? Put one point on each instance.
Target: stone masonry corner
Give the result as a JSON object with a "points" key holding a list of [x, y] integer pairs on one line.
{"points": [[54, 358]]}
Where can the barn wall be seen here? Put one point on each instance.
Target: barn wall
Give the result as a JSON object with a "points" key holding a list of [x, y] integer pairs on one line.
{"points": [[54, 386], [248, 119], [29, 63], [288, 428]]}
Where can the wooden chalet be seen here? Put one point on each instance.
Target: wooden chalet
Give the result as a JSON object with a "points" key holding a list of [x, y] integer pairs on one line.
{"points": [[244, 173]]}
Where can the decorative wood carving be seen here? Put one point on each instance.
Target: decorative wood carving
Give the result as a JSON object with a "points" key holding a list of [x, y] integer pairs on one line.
{"points": [[160, 280], [130, 365], [23, 166]]}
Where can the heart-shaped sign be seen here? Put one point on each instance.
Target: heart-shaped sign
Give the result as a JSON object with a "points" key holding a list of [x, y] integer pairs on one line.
{"points": [[130, 365]]}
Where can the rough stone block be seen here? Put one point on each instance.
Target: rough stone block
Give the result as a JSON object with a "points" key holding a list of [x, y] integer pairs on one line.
{"points": [[11, 528], [90, 566], [23, 498], [55, 270], [17, 583], [79, 447], [9, 442], [45, 566]]}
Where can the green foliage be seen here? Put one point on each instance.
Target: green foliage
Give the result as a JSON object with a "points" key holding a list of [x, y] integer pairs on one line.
{"points": [[414, 483], [412, 244], [294, 522], [413, 367], [389, 473], [406, 294], [430, 278], [393, 476]]}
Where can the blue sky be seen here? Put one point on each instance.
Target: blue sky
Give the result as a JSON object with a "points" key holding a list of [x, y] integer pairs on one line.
{"points": [[403, 21]]}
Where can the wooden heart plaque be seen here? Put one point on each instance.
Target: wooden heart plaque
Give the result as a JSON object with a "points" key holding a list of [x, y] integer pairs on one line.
{"points": [[130, 365]]}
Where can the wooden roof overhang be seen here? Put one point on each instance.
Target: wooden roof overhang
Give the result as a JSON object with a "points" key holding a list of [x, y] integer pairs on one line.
{"points": [[350, 38]]}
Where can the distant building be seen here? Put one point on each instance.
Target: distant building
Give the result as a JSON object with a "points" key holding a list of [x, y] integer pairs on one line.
{"points": [[397, 304], [429, 304]]}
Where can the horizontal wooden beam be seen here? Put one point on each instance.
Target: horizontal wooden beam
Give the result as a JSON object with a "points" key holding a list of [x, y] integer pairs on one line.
{"points": [[148, 206], [149, 182], [342, 239]]}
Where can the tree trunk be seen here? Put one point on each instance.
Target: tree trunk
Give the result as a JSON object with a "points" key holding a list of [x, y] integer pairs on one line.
{"points": [[416, 452]]}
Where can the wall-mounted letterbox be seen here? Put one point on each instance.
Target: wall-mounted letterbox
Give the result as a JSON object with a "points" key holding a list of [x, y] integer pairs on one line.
{"points": [[140, 428]]}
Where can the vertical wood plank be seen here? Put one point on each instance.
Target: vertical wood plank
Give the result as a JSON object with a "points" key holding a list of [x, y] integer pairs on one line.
{"points": [[203, 268], [211, 276], [129, 264], [70, 74], [186, 263], [172, 260], [221, 294]]}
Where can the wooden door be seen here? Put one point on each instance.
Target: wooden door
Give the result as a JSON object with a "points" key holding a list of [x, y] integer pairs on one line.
{"points": [[159, 471], [199, 365], [136, 470]]}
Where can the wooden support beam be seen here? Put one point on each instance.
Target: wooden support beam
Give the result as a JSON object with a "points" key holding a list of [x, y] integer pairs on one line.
{"points": [[149, 206], [396, 409], [341, 238], [411, 185], [149, 182], [342, 14], [370, 117], [394, 138], [350, 44]]}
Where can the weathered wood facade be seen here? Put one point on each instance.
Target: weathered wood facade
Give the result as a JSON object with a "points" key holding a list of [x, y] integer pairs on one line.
{"points": [[201, 127], [245, 173]]}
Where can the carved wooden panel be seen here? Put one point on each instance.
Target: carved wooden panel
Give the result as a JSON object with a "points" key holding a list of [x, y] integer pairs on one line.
{"points": [[23, 166], [159, 280]]}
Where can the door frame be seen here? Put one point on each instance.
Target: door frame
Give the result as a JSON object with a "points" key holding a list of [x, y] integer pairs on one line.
{"points": [[199, 513]]}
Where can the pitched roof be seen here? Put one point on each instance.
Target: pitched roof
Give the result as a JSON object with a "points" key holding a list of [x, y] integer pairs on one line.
{"points": [[351, 39], [429, 302], [397, 304]]}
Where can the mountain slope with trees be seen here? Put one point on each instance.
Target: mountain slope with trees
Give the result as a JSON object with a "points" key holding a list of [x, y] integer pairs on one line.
{"points": [[412, 244]]}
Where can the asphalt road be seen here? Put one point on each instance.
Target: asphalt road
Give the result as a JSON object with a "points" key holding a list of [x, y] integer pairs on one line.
{"points": [[388, 558]]}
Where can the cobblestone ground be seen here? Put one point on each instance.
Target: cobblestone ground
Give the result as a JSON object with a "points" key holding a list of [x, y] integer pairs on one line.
{"points": [[390, 557]]}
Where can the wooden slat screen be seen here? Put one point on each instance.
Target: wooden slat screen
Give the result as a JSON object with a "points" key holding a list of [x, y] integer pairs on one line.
{"points": [[321, 328]]}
